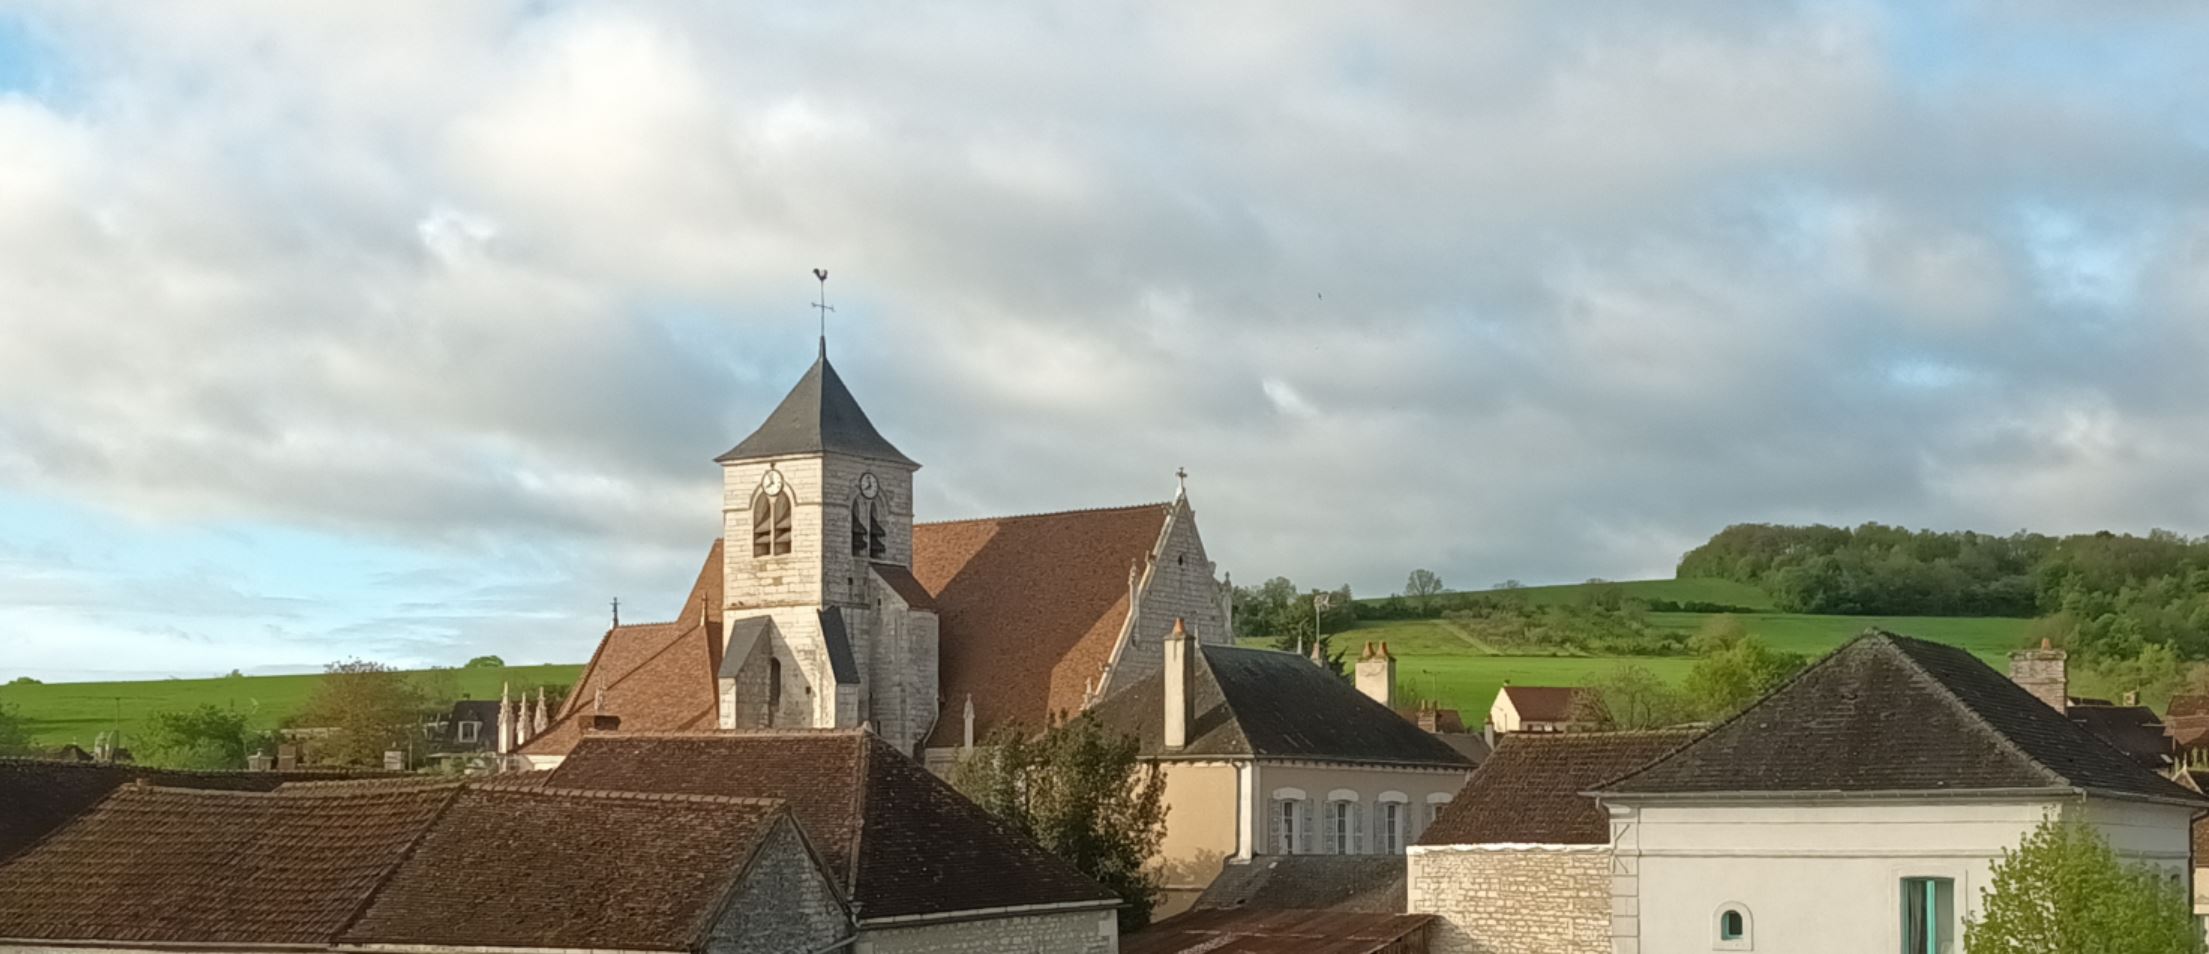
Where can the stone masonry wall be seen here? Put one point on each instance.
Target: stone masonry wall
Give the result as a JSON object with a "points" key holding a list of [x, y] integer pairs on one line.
{"points": [[1534, 900], [1183, 584], [1076, 932], [785, 903]]}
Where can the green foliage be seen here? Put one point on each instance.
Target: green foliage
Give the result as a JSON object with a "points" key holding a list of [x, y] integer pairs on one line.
{"points": [[1277, 611], [1421, 585], [1082, 794], [1631, 697], [1734, 669], [486, 662], [2063, 891], [15, 732], [204, 738], [370, 707], [24, 681]]}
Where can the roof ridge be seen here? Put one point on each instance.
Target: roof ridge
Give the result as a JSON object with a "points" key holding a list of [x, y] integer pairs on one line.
{"points": [[1046, 513], [1886, 640], [1761, 701], [680, 734], [316, 788], [618, 795]]}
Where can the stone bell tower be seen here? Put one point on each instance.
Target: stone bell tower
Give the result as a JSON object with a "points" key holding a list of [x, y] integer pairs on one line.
{"points": [[817, 555]]}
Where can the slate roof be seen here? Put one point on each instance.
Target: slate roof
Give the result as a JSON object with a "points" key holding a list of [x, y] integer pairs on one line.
{"points": [[1268, 704], [181, 865], [603, 871], [1365, 883], [904, 841], [1541, 703], [2133, 730], [907, 587], [841, 663], [1531, 789], [744, 636], [1887, 713], [1028, 608], [37, 796], [658, 677], [818, 415], [1229, 931]]}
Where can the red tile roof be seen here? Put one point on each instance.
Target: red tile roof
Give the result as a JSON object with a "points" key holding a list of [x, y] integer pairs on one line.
{"points": [[905, 841], [1029, 608], [657, 677], [606, 871], [178, 865], [1247, 931], [40, 796], [1542, 703], [1529, 791]]}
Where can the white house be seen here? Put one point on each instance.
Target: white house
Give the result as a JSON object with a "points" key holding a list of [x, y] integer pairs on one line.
{"points": [[1535, 709], [1859, 808]]}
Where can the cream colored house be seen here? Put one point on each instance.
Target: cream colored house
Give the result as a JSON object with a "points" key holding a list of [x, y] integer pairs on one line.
{"points": [[1535, 709], [1265, 753]]}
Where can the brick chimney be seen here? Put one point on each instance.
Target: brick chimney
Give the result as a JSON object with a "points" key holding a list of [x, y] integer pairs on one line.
{"points": [[1175, 672], [2044, 673], [1376, 674]]}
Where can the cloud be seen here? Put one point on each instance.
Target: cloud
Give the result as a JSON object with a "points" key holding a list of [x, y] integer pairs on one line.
{"points": [[1512, 290]]}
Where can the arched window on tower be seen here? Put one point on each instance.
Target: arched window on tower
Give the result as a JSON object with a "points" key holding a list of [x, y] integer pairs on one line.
{"points": [[771, 523], [867, 536]]}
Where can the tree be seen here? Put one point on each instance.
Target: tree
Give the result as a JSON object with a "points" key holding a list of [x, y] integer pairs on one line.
{"points": [[24, 681], [1735, 670], [369, 707], [15, 732], [1630, 697], [486, 662], [1085, 796], [1422, 585], [2063, 891], [207, 738]]}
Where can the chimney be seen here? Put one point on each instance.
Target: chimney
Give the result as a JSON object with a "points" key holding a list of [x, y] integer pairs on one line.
{"points": [[1176, 675], [2131, 697], [2043, 673], [1377, 674]]}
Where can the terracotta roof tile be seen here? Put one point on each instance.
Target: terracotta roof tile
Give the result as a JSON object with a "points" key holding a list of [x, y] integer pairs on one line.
{"points": [[603, 871], [1530, 790], [907, 843], [179, 865], [41, 796], [1029, 608], [657, 677], [1542, 703], [1231, 931], [1369, 883]]}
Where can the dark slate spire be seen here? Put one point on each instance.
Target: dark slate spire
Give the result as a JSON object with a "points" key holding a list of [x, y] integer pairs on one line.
{"points": [[818, 416]]}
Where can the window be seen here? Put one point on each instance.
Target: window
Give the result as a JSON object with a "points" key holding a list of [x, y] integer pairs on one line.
{"points": [[1928, 915], [774, 688], [1733, 927], [867, 536], [1391, 828], [1287, 814], [1345, 836], [771, 522], [467, 731]]}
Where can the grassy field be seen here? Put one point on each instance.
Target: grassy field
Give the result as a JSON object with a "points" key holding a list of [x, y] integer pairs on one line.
{"points": [[78, 711], [1442, 660]]}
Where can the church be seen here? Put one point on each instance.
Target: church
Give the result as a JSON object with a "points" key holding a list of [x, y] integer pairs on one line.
{"points": [[825, 605]]}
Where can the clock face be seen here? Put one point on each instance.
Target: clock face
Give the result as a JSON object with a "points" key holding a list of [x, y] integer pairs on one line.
{"points": [[868, 486], [772, 483]]}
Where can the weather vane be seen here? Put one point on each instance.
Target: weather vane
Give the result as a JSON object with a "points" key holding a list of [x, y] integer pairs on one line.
{"points": [[822, 306]]}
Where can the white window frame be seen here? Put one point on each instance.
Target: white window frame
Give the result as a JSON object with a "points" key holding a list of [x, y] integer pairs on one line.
{"points": [[1345, 821], [467, 731], [1288, 822], [1388, 826]]}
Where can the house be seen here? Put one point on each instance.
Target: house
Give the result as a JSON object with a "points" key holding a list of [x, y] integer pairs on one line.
{"points": [[1266, 754], [421, 866], [923, 868], [826, 605], [1520, 861], [2128, 726], [1860, 806], [1536, 709]]}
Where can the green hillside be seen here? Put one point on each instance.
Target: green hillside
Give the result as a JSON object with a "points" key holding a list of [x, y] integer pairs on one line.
{"points": [[76, 712], [1724, 592]]}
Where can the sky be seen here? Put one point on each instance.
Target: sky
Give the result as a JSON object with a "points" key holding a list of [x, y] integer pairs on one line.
{"points": [[408, 331]]}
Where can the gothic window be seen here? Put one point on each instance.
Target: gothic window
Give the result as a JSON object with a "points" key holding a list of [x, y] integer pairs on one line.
{"points": [[774, 688], [771, 522], [867, 536]]}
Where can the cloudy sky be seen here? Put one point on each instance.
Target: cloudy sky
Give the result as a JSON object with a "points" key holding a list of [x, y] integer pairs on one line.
{"points": [[409, 331]]}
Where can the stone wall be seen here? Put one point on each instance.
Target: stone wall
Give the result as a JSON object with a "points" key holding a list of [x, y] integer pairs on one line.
{"points": [[1074, 932], [1180, 583], [1529, 900], [784, 904]]}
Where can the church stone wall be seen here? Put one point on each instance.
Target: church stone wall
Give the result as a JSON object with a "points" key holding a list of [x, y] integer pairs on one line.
{"points": [[784, 903], [1181, 585], [1073, 932], [1535, 900]]}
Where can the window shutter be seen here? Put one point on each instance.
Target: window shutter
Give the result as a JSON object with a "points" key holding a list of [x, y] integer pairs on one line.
{"points": [[1329, 842], [1304, 823], [1357, 829], [1280, 831]]}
